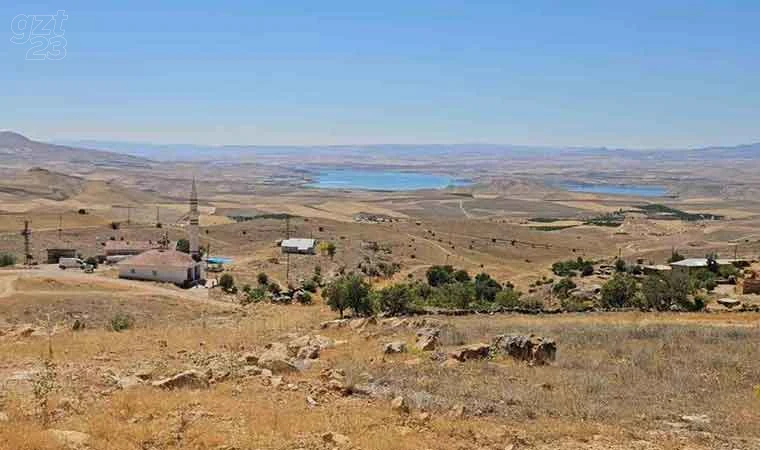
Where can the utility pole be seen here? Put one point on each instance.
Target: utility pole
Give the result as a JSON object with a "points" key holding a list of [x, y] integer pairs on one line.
{"points": [[60, 225], [27, 233]]}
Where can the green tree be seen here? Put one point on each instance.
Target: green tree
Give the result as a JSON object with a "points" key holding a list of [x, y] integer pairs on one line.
{"points": [[461, 276], [395, 299], [227, 282], [620, 265], [563, 287], [619, 292], [486, 287], [660, 292], [183, 245], [439, 275], [349, 292], [508, 298], [454, 295]]}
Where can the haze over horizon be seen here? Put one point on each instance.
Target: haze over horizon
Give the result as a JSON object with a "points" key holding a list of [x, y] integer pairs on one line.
{"points": [[645, 75]]}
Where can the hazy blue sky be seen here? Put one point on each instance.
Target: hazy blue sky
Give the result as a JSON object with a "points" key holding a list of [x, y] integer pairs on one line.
{"points": [[646, 73]]}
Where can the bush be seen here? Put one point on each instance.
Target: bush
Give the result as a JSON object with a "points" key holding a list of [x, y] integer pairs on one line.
{"points": [[254, 295], [620, 265], [563, 287], [274, 288], [310, 286], [702, 279], [93, 261], [305, 298], [7, 259], [728, 271], [349, 292], [660, 292], [439, 275], [227, 283], [395, 299], [183, 245], [115, 225], [619, 292], [486, 287], [262, 279], [453, 295], [571, 267], [508, 298], [121, 321], [461, 276]]}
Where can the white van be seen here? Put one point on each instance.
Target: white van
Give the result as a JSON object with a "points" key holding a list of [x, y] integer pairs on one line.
{"points": [[70, 263]]}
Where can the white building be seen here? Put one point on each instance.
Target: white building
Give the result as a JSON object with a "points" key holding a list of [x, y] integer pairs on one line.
{"points": [[305, 246], [168, 266]]}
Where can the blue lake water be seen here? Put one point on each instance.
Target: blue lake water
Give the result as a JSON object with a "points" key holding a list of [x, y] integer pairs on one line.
{"points": [[382, 180], [612, 189]]}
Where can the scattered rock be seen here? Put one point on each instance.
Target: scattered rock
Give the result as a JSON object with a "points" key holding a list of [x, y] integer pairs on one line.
{"points": [[473, 351], [276, 359], [427, 339], [697, 419], [191, 379], [129, 382], [250, 359], [334, 438], [394, 347], [533, 349], [70, 439], [729, 302], [400, 404], [308, 352]]}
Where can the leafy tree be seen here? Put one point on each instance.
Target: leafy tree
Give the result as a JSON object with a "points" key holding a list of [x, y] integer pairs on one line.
{"points": [[183, 245], [619, 292], [454, 295], [262, 278], [461, 276], [227, 283], [7, 259], [508, 298], [620, 265], [702, 279], [660, 292], [349, 292], [439, 275], [486, 287], [395, 299]]}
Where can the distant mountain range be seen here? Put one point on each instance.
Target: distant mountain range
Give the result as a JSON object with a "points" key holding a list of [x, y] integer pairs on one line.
{"points": [[191, 152], [17, 149]]}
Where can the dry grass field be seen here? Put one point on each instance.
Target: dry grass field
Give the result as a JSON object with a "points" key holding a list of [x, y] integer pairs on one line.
{"points": [[623, 380]]}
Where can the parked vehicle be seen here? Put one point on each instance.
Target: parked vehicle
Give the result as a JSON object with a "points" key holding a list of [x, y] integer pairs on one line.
{"points": [[70, 263]]}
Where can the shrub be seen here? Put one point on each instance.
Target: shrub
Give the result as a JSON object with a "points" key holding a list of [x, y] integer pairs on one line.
{"points": [[93, 261], [660, 292], [7, 259], [728, 271], [453, 295], [395, 299], [702, 279], [571, 267], [115, 225], [227, 282], [121, 321], [310, 286], [262, 279], [349, 292], [305, 298], [563, 287], [183, 245], [274, 288], [508, 298], [486, 287], [619, 292], [461, 276], [253, 295], [620, 265]]}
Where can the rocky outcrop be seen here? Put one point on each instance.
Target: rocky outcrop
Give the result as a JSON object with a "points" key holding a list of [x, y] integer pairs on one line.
{"points": [[190, 379], [427, 339], [533, 349], [472, 351]]}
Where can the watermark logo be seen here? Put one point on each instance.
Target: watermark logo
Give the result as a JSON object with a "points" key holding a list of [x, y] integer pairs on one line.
{"points": [[43, 34]]}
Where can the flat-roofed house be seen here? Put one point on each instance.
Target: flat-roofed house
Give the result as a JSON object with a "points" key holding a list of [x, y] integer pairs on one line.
{"points": [[299, 245], [126, 248]]}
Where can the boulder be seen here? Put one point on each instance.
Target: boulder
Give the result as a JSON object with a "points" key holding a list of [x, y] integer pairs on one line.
{"points": [[250, 359], [729, 302], [308, 352], [533, 349], [334, 438], [191, 379], [394, 347], [473, 351], [277, 359], [427, 339], [400, 404]]}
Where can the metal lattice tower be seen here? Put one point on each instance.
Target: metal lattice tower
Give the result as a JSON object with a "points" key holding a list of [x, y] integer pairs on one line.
{"points": [[27, 233]]}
